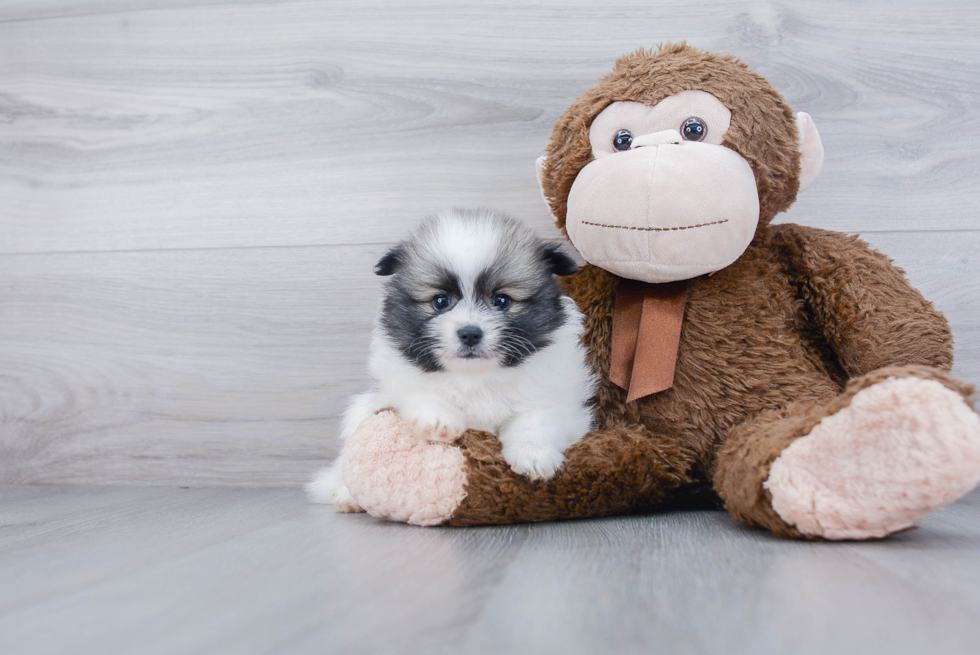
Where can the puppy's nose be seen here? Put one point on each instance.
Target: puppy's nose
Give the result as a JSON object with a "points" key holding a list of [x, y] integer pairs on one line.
{"points": [[470, 335]]}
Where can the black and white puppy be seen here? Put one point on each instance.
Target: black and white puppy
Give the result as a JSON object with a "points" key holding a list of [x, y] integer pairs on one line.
{"points": [[475, 332]]}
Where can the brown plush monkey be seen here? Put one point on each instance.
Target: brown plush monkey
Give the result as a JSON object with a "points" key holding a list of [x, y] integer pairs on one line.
{"points": [[790, 372]]}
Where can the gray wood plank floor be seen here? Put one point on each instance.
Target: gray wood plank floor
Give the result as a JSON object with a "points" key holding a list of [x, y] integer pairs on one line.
{"points": [[167, 570], [192, 192]]}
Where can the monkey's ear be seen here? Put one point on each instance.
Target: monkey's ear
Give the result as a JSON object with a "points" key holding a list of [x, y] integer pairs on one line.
{"points": [[811, 149], [388, 264], [558, 262]]}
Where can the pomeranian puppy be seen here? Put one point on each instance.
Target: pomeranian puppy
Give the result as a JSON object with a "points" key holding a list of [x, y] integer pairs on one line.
{"points": [[475, 333]]}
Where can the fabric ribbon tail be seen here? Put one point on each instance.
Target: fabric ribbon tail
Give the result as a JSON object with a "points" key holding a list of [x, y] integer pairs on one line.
{"points": [[646, 335]]}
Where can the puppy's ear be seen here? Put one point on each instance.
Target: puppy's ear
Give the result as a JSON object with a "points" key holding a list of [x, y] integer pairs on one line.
{"points": [[388, 264], [558, 261]]}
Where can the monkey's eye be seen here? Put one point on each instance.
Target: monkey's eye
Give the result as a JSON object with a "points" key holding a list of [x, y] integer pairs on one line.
{"points": [[623, 140], [441, 302], [694, 129], [500, 301]]}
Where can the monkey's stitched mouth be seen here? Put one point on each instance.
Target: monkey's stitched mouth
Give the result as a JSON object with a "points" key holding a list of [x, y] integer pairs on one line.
{"points": [[654, 229]]}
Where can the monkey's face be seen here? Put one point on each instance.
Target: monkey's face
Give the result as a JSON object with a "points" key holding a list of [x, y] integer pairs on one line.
{"points": [[665, 170], [663, 200]]}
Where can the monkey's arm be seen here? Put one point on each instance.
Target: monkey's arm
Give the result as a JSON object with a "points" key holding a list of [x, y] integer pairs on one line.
{"points": [[867, 310], [396, 476], [611, 471]]}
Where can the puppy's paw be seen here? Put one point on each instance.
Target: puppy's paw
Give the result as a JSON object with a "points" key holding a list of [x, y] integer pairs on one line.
{"points": [[533, 460], [434, 420], [344, 501], [534, 443], [327, 488]]}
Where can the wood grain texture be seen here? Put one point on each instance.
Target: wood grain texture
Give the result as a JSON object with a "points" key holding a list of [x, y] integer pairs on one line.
{"points": [[163, 570], [192, 192], [186, 125], [229, 366]]}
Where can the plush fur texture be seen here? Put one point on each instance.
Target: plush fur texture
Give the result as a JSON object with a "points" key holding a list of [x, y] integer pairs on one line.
{"points": [[746, 458], [771, 346], [842, 480], [475, 333], [762, 129], [419, 484], [750, 352]]}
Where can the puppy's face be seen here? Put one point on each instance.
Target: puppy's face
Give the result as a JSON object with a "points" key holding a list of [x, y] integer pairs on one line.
{"points": [[470, 291]]}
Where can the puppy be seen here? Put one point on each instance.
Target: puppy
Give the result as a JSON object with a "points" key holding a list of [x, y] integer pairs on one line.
{"points": [[475, 333]]}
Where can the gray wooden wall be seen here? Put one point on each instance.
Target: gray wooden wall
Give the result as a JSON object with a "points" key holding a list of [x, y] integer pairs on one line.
{"points": [[192, 192]]}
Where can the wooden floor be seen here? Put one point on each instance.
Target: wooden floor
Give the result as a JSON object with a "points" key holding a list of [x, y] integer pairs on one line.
{"points": [[111, 570]]}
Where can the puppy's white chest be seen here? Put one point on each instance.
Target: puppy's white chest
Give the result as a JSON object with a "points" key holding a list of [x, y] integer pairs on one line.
{"points": [[486, 404]]}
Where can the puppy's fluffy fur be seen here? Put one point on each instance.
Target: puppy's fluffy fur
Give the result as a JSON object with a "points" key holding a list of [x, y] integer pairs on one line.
{"points": [[475, 332]]}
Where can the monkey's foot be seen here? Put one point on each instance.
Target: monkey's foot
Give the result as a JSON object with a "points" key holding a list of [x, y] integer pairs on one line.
{"points": [[395, 475], [903, 448]]}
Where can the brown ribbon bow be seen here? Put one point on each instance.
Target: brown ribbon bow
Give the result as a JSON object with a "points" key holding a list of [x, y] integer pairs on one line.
{"points": [[646, 331]]}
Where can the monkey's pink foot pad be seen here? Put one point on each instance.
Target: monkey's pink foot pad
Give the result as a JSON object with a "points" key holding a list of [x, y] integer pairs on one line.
{"points": [[395, 475], [902, 448]]}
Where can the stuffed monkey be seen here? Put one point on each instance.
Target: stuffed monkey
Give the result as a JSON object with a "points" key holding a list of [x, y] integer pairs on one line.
{"points": [[790, 373]]}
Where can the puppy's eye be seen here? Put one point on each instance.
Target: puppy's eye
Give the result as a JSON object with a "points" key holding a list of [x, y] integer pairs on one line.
{"points": [[694, 129], [441, 302], [623, 140], [500, 301]]}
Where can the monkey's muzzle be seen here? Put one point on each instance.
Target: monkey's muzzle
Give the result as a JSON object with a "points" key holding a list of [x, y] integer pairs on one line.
{"points": [[664, 211]]}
